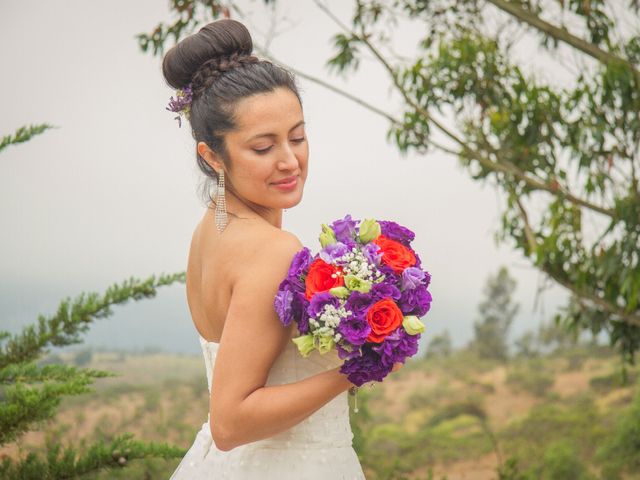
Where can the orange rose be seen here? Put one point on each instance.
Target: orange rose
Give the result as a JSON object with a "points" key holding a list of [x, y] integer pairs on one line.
{"points": [[394, 254], [319, 278], [383, 317]]}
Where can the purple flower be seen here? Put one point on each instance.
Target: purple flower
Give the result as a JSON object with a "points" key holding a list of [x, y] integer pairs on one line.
{"points": [[319, 300], [343, 353], [299, 265], [333, 251], [418, 261], [427, 279], [388, 272], [299, 306], [303, 323], [344, 229], [182, 103], [396, 347], [282, 305], [363, 361], [385, 289], [354, 329], [350, 242], [372, 253], [416, 301], [396, 232], [358, 303], [411, 278], [365, 368]]}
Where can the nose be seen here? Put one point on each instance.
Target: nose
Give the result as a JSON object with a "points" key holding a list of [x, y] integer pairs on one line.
{"points": [[288, 160]]}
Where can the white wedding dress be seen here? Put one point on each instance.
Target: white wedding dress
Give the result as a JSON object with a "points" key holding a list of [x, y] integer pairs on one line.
{"points": [[318, 448]]}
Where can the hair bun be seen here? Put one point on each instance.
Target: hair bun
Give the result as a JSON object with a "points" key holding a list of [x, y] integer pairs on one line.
{"points": [[223, 38]]}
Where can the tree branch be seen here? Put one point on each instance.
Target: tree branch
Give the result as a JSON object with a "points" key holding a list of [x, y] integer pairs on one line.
{"points": [[503, 165], [629, 318], [553, 187], [363, 103], [562, 35]]}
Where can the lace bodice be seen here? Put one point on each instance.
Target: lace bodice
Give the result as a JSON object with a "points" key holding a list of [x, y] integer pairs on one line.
{"points": [[318, 448], [329, 425]]}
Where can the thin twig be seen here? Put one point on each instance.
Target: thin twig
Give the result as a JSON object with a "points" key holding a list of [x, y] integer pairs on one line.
{"points": [[563, 35], [629, 318]]}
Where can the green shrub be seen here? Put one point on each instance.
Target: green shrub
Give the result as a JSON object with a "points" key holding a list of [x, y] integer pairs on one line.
{"points": [[576, 358], [620, 451], [83, 357], [611, 381], [530, 376], [561, 461], [577, 421], [428, 396]]}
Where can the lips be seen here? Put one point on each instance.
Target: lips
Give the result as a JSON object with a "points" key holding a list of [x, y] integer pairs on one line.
{"points": [[286, 180]]}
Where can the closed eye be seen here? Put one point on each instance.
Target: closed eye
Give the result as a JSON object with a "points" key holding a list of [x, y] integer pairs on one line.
{"points": [[265, 150]]}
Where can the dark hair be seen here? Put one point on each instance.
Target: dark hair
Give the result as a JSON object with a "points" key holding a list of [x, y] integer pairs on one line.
{"points": [[218, 62]]}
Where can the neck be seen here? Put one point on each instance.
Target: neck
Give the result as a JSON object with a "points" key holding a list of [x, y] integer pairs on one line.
{"points": [[240, 208]]}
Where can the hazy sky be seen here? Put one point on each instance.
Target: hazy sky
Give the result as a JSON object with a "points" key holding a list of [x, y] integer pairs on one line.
{"points": [[112, 193]]}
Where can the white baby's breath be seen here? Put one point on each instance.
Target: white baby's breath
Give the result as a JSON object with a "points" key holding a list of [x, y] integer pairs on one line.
{"points": [[355, 263]]}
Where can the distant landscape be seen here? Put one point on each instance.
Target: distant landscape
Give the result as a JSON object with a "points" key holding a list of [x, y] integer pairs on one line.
{"points": [[448, 415]]}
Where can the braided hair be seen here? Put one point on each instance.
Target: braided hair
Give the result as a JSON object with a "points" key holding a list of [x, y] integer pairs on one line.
{"points": [[218, 63]]}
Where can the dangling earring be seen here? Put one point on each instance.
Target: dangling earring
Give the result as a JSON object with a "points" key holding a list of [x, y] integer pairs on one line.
{"points": [[221, 207]]}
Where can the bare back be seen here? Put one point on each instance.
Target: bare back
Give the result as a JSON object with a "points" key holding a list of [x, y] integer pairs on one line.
{"points": [[215, 260], [207, 271]]}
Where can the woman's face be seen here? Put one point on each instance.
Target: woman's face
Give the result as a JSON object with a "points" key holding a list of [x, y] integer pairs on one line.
{"points": [[269, 146]]}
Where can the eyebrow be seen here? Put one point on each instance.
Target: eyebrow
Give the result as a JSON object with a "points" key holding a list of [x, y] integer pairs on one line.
{"points": [[301, 122]]}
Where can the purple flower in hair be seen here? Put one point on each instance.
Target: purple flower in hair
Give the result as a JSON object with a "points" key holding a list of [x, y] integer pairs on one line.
{"points": [[182, 103]]}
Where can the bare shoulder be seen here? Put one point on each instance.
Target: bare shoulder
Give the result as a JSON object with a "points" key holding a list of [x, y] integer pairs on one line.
{"points": [[265, 246], [251, 324]]}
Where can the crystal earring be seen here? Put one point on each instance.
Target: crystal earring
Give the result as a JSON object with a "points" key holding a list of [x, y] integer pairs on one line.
{"points": [[221, 207]]}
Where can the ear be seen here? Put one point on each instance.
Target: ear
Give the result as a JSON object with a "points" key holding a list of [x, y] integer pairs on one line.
{"points": [[211, 157]]}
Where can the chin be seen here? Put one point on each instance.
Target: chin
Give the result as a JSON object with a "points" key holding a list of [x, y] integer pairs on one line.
{"points": [[292, 202], [289, 199]]}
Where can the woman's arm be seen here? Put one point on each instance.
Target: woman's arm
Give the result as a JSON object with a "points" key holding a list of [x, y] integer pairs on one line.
{"points": [[242, 408], [270, 410]]}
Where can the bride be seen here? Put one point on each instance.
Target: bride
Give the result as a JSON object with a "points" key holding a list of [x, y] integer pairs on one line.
{"points": [[273, 414]]}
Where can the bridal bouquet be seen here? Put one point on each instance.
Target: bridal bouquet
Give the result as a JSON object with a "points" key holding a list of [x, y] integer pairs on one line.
{"points": [[362, 294]]}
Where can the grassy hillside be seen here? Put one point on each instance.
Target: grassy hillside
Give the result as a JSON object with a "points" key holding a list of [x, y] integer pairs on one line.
{"points": [[459, 417], [563, 416]]}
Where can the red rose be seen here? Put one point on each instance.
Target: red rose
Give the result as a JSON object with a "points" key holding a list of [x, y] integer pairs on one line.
{"points": [[383, 317], [394, 254], [319, 278]]}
